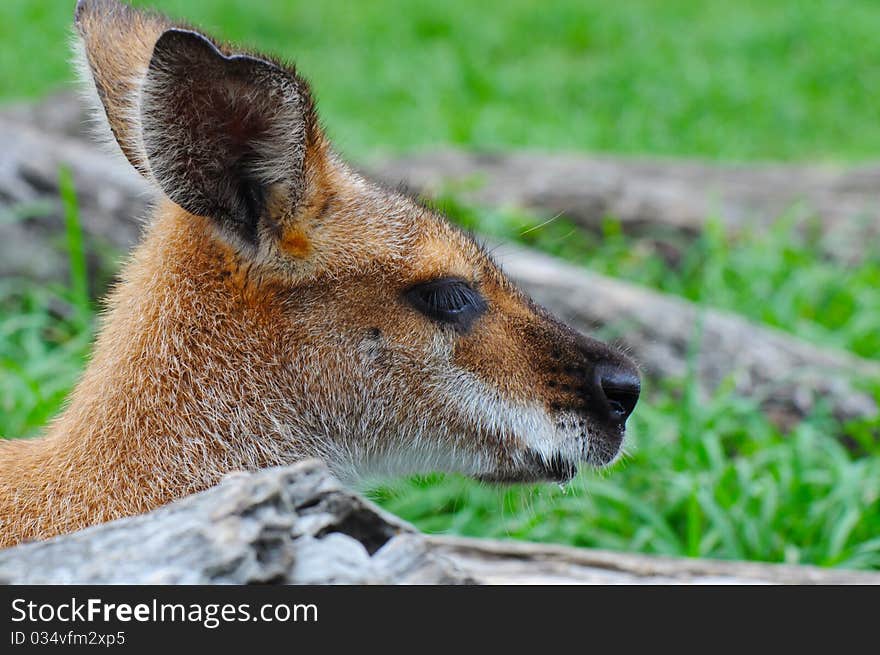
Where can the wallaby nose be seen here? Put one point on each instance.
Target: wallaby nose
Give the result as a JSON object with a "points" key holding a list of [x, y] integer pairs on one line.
{"points": [[620, 386]]}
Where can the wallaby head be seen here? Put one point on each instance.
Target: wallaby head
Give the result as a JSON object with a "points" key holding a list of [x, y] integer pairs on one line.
{"points": [[282, 307]]}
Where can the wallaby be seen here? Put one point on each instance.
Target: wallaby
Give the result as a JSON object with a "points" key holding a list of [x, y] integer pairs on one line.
{"points": [[280, 307]]}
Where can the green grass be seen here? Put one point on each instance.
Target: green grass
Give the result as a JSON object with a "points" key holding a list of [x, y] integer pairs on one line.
{"points": [[755, 79], [78, 273], [44, 341]]}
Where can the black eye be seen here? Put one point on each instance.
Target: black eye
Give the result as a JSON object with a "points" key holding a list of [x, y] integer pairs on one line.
{"points": [[447, 300]]}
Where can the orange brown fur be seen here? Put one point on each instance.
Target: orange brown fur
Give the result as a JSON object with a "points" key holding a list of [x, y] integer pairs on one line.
{"points": [[219, 354]]}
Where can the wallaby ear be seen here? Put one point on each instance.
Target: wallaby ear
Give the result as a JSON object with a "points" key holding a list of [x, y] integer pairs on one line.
{"points": [[220, 133], [116, 44], [219, 130]]}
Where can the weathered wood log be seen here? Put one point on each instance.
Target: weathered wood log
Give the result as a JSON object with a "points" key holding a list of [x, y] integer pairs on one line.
{"points": [[652, 198], [63, 113], [655, 198], [111, 198], [520, 562], [787, 375], [284, 525], [298, 525]]}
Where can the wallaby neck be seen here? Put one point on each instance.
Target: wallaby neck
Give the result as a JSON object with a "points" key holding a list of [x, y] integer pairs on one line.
{"points": [[158, 412]]}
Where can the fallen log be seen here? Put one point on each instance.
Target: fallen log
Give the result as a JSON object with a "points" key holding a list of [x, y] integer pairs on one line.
{"points": [[787, 375], [655, 198], [297, 525], [63, 113], [292, 525], [522, 562], [111, 198]]}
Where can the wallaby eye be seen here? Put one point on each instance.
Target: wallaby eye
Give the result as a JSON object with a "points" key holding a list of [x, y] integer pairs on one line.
{"points": [[447, 300]]}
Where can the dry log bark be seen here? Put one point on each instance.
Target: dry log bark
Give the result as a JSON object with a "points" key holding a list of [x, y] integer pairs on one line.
{"points": [[111, 198], [519, 562], [292, 525], [787, 375], [297, 525], [655, 198]]}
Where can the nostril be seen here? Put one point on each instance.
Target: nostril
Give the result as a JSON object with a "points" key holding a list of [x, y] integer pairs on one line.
{"points": [[621, 405], [621, 388]]}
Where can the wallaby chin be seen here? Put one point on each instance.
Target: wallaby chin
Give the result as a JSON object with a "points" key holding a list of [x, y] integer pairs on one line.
{"points": [[282, 307]]}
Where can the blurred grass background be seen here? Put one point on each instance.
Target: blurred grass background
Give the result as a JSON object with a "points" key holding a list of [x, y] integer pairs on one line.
{"points": [[752, 79], [746, 81]]}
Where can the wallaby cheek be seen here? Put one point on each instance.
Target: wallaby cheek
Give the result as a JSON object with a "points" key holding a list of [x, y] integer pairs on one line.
{"points": [[497, 354]]}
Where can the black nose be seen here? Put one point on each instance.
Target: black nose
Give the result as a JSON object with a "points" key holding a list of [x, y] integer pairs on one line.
{"points": [[620, 385]]}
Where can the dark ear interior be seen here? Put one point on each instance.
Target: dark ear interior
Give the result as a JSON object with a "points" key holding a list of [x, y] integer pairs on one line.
{"points": [[219, 130]]}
